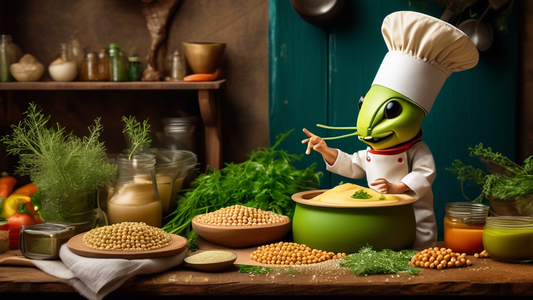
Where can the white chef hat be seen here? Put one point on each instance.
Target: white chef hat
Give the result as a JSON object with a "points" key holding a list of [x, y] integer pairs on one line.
{"points": [[423, 52]]}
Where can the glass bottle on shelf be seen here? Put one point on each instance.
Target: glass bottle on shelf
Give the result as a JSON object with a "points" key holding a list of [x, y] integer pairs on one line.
{"points": [[89, 71], [76, 52], [64, 53], [136, 198], [118, 67], [10, 53], [133, 70], [103, 65]]}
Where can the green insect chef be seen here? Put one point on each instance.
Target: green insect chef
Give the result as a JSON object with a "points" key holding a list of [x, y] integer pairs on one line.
{"points": [[423, 52]]}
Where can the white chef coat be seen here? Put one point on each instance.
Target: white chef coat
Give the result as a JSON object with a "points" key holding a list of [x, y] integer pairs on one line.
{"points": [[413, 166]]}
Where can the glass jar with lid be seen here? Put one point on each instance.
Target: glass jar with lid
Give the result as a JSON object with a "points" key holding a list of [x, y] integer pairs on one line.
{"points": [[135, 198], [463, 226], [509, 238]]}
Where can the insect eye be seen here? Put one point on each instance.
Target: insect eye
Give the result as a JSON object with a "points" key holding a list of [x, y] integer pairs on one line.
{"points": [[360, 101], [392, 109]]}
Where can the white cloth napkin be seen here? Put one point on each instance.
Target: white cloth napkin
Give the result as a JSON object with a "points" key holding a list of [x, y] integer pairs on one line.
{"points": [[94, 278]]}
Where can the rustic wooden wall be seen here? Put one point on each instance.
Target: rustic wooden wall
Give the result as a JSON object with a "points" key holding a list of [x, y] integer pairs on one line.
{"points": [[39, 27]]}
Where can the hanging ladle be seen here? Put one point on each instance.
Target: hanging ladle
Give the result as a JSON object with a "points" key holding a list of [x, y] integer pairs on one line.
{"points": [[480, 33]]}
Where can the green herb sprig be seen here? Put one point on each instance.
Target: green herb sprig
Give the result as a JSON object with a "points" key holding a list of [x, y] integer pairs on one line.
{"points": [[138, 134], [386, 261], [62, 165], [266, 181]]}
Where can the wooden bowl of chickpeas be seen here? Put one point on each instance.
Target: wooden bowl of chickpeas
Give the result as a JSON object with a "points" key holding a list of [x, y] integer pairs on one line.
{"points": [[238, 226]]}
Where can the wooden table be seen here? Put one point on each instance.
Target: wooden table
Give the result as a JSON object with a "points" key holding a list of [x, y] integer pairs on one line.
{"points": [[486, 277], [207, 99]]}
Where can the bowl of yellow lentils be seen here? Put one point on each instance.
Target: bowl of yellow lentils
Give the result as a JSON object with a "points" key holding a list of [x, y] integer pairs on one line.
{"points": [[239, 226]]}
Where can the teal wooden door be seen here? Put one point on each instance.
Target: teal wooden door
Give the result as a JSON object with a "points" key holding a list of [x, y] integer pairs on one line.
{"points": [[317, 75]]}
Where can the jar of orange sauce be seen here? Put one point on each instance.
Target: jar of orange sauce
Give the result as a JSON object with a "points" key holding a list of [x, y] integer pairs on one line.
{"points": [[463, 226]]}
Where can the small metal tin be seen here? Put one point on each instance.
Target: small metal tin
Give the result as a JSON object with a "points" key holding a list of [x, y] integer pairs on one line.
{"points": [[43, 241]]}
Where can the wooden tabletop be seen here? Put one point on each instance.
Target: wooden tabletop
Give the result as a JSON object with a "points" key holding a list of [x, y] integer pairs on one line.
{"points": [[486, 277]]}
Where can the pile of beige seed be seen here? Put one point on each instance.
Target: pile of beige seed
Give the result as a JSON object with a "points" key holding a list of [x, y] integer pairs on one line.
{"points": [[127, 236], [287, 253], [239, 215]]}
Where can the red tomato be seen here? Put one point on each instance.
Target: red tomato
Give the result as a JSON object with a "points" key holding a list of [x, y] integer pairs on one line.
{"points": [[14, 224]]}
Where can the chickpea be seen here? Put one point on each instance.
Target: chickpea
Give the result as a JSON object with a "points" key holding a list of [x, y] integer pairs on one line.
{"points": [[292, 254], [132, 236], [233, 216], [435, 258]]}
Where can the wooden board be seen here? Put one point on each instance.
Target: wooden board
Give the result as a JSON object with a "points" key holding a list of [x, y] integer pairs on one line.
{"points": [[304, 198], [76, 245]]}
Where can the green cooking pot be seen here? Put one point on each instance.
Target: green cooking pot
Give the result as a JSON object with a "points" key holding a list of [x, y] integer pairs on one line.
{"points": [[346, 228]]}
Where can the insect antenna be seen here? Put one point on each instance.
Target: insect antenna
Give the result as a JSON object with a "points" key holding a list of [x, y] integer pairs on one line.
{"points": [[335, 128]]}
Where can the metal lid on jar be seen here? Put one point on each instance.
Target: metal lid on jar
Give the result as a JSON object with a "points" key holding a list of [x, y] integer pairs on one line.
{"points": [[47, 229], [468, 212]]}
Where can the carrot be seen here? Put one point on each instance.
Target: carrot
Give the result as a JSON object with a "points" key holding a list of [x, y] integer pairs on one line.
{"points": [[202, 77], [26, 190], [7, 183]]}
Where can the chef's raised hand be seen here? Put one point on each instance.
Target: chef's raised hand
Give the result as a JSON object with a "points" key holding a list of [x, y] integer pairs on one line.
{"points": [[319, 145], [381, 185]]}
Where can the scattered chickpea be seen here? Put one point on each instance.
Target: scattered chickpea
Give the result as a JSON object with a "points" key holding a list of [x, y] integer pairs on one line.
{"points": [[287, 253], [439, 258], [239, 215], [127, 236], [483, 254]]}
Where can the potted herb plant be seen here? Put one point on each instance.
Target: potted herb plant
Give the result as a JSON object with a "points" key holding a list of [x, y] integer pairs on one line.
{"points": [[67, 169], [507, 186]]}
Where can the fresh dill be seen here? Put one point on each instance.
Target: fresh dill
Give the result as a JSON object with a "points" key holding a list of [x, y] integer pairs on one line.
{"points": [[254, 269], [386, 261], [505, 180], [67, 169]]}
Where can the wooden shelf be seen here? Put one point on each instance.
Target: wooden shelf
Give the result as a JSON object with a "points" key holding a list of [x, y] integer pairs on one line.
{"points": [[207, 99], [137, 85]]}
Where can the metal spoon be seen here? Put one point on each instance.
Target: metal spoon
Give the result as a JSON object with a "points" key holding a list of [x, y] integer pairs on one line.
{"points": [[480, 33]]}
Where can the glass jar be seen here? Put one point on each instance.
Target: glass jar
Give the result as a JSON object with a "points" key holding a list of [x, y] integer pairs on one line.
{"points": [[103, 65], [9, 54], [89, 71], [178, 133], [135, 197], [172, 169], [176, 66], [509, 238], [117, 63], [463, 226]]}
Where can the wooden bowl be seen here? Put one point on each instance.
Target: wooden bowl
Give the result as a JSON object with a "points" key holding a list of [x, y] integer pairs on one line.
{"points": [[241, 236]]}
